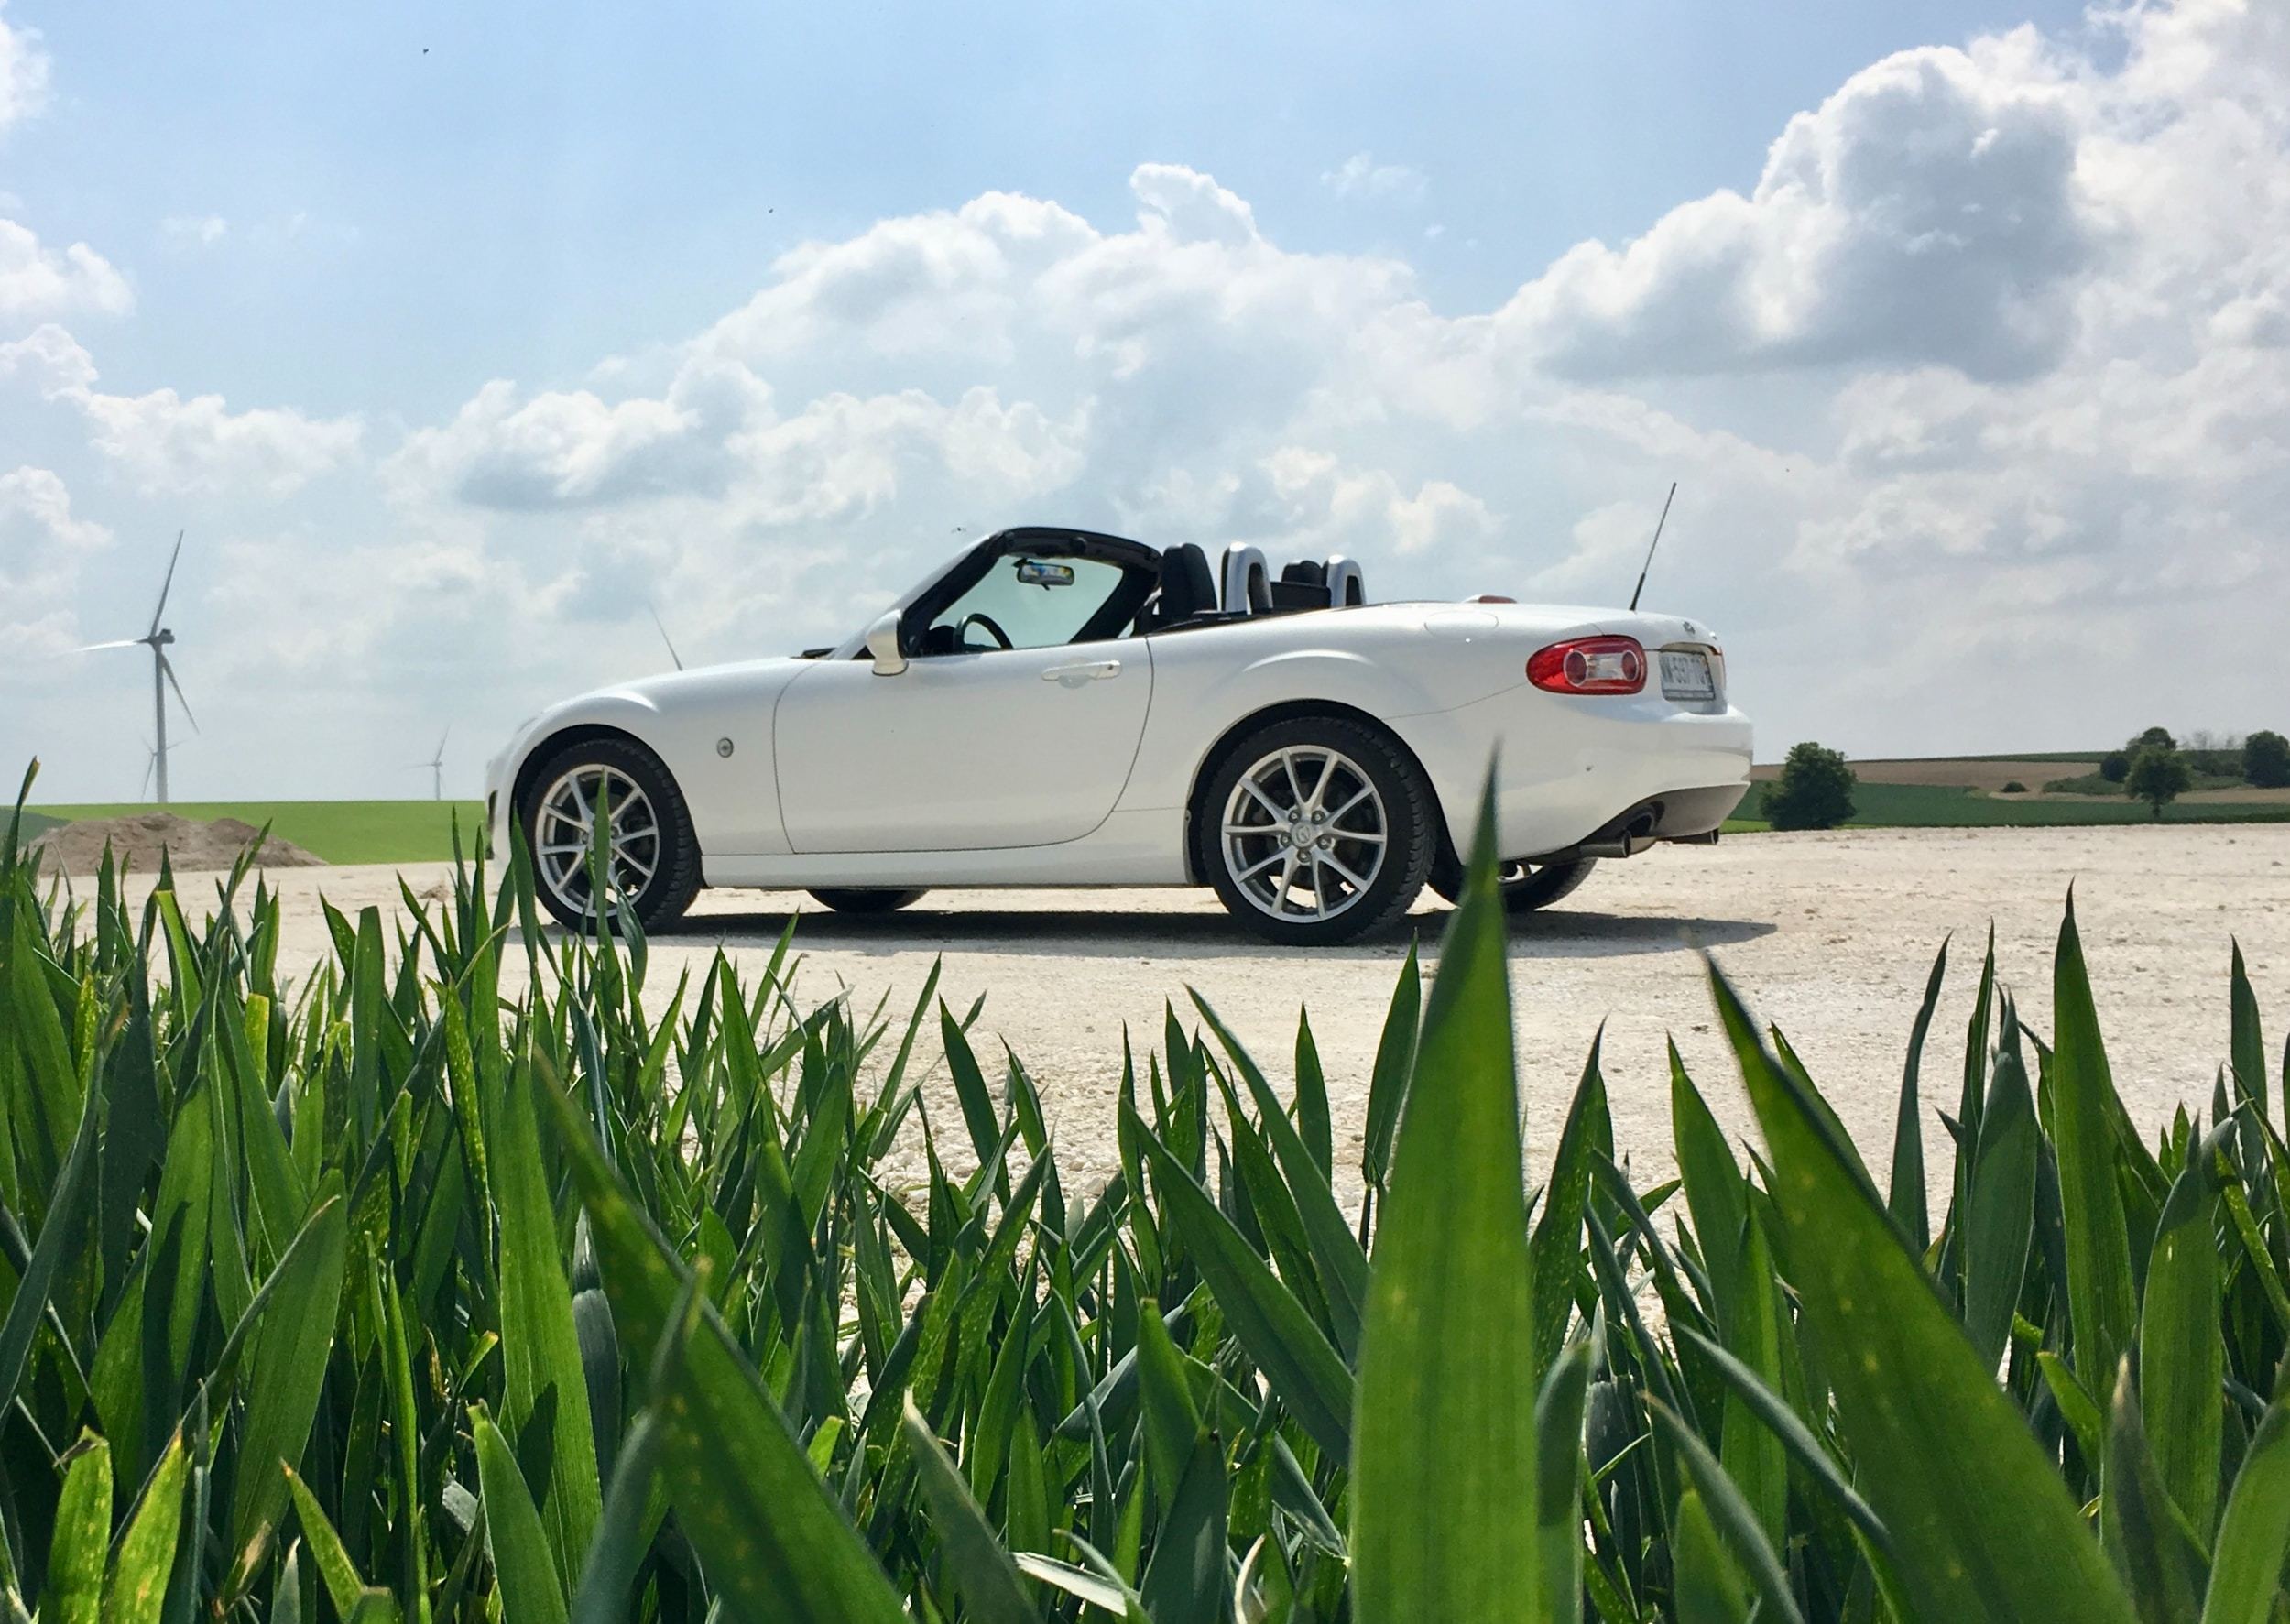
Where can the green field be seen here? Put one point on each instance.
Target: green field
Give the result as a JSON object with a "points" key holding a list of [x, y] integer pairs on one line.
{"points": [[1945, 806], [338, 831]]}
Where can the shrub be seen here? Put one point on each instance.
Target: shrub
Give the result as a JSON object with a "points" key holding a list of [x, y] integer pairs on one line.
{"points": [[2115, 767], [467, 1281], [2013, 787], [2266, 759], [2158, 776], [1815, 790]]}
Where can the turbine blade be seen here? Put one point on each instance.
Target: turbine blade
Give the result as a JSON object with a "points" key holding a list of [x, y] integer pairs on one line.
{"points": [[150, 762], [165, 586], [440, 755], [666, 638], [115, 643], [168, 671]]}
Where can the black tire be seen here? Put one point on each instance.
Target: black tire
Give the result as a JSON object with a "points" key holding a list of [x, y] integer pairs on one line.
{"points": [[1369, 757], [865, 899], [1540, 885], [674, 878]]}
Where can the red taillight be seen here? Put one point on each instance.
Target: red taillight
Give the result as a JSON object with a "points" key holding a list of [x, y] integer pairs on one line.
{"points": [[1589, 665]]}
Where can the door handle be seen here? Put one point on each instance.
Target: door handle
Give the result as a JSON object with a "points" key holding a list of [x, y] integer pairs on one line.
{"points": [[1087, 671]]}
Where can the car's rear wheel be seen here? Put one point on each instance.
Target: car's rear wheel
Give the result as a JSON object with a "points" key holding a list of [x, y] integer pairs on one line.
{"points": [[1319, 830], [652, 862], [1526, 886], [865, 899]]}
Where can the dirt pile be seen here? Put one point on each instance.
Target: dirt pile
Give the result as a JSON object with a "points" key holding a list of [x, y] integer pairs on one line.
{"points": [[78, 848]]}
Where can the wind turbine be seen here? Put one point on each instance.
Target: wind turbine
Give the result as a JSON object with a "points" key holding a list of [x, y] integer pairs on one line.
{"points": [[666, 638], [162, 673], [436, 764]]}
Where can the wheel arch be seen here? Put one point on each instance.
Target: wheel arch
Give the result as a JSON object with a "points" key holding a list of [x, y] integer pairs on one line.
{"points": [[1196, 859], [549, 744]]}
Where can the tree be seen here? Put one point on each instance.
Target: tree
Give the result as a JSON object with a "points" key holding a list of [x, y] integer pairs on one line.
{"points": [[2115, 767], [1815, 790], [2155, 738], [2266, 759], [2158, 776]]}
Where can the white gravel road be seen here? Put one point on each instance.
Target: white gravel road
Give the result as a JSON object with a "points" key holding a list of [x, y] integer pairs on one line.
{"points": [[1829, 935]]}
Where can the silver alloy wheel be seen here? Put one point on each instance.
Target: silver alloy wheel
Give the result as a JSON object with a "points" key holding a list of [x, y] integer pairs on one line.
{"points": [[565, 829], [1304, 833]]}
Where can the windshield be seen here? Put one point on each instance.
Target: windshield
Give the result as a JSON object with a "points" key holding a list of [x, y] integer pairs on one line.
{"points": [[1025, 602]]}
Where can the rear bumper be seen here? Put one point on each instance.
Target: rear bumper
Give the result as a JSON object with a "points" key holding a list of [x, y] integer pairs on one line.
{"points": [[1570, 771], [1694, 814]]}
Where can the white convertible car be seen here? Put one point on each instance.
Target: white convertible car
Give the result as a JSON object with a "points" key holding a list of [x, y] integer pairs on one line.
{"points": [[1058, 707]]}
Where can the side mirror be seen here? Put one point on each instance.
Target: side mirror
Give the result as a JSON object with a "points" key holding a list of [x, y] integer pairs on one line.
{"points": [[882, 642]]}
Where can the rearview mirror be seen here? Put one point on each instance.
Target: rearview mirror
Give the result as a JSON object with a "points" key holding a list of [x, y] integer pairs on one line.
{"points": [[1033, 571], [882, 642]]}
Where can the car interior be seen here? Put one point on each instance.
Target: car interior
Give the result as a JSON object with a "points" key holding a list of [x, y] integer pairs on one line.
{"points": [[1040, 588]]}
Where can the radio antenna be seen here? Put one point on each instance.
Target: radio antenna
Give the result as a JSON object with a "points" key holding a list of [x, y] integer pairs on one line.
{"points": [[1655, 542]]}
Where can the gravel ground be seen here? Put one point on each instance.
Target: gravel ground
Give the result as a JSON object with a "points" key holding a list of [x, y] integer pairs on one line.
{"points": [[1828, 935]]}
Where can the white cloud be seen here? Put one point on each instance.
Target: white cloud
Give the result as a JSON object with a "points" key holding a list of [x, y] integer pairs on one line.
{"points": [[37, 280], [167, 444], [22, 74], [42, 545], [1360, 175], [195, 231], [1930, 211]]}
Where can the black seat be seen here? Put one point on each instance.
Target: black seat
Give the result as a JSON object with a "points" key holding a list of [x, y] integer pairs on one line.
{"points": [[1303, 586], [1187, 588]]}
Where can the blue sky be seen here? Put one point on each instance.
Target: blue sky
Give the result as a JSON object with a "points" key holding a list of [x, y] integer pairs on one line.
{"points": [[548, 183], [455, 333]]}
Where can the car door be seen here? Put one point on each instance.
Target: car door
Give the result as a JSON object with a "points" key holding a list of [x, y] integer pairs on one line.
{"points": [[966, 749]]}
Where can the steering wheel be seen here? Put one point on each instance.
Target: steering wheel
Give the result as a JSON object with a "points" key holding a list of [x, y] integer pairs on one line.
{"points": [[961, 632]]}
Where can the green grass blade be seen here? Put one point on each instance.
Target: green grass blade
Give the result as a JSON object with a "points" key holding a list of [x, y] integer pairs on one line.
{"points": [[2153, 1548], [1186, 1578], [778, 1543], [1999, 1219], [1558, 1483], [1557, 1243], [1709, 1589], [1296, 1357], [2182, 1357], [1736, 1521], [989, 1581], [1963, 1487], [1395, 1065], [1753, 1457], [525, 1572], [1312, 1123], [1337, 1260], [289, 1369], [145, 1560], [2253, 1544], [336, 1570], [1773, 1412], [2102, 1305], [1908, 1130], [81, 1543], [60, 1230], [633, 1510], [1443, 1473], [1171, 1419], [541, 1349]]}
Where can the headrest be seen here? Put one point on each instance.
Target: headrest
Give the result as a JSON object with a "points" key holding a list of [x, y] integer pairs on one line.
{"points": [[1187, 588]]}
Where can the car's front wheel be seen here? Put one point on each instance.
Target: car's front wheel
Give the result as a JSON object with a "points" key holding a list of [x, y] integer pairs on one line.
{"points": [[1525, 886], [865, 899], [1323, 831], [651, 864]]}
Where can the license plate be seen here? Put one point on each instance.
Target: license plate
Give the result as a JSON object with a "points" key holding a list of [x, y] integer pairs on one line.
{"points": [[1686, 676]]}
